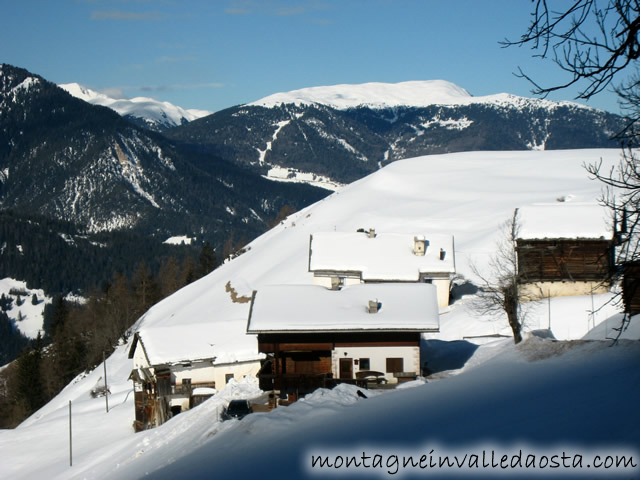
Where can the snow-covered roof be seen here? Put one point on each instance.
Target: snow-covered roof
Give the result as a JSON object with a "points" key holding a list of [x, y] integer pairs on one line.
{"points": [[221, 343], [384, 257], [311, 308], [560, 220]]}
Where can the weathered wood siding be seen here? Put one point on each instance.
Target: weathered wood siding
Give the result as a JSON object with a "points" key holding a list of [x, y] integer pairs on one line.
{"points": [[631, 288], [564, 260], [309, 342], [307, 363]]}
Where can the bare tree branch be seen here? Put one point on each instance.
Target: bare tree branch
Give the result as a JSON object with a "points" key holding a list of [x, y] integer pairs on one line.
{"points": [[593, 44], [499, 290]]}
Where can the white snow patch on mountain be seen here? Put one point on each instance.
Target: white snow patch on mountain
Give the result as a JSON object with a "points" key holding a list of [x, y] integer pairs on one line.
{"points": [[282, 174], [263, 153], [449, 123], [178, 240]]}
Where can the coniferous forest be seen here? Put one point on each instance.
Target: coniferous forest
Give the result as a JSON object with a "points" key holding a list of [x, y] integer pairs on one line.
{"points": [[77, 336]]}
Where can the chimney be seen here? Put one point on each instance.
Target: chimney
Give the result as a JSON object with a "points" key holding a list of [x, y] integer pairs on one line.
{"points": [[373, 306], [443, 254], [335, 283], [372, 233], [419, 246]]}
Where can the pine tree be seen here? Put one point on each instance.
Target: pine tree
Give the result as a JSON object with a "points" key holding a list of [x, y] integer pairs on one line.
{"points": [[6, 303], [169, 278], [208, 260], [29, 381], [188, 270], [145, 288], [55, 315]]}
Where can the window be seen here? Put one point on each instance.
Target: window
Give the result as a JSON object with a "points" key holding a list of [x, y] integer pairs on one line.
{"points": [[365, 364], [228, 377], [395, 365], [186, 386]]}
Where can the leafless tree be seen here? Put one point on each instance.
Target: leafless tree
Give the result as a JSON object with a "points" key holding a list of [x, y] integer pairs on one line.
{"points": [[499, 290]]}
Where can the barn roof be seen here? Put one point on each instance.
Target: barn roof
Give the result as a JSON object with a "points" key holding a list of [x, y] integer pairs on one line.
{"points": [[564, 220]]}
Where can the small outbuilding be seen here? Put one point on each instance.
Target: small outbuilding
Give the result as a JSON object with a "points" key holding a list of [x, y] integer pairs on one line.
{"points": [[564, 248]]}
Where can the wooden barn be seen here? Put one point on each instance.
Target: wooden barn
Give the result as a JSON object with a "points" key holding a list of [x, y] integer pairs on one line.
{"points": [[314, 337], [631, 287], [564, 249]]}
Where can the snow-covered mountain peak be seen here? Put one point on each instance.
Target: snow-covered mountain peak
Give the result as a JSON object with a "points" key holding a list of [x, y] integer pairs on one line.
{"points": [[155, 113], [373, 94], [420, 93]]}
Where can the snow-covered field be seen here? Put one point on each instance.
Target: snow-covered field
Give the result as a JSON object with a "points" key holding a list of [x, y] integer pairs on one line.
{"points": [[543, 395]]}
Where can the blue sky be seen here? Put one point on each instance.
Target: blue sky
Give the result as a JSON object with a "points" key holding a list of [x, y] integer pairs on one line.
{"points": [[219, 53]]}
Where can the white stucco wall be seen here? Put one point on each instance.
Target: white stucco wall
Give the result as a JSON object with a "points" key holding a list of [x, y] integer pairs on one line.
{"points": [[239, 371], [378, 359], [198, 372], [202, 372], [139, 358], [443, 285], [534, 291], [326, 281]]}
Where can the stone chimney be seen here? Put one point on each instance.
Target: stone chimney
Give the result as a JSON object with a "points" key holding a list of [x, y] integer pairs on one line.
{"points": [[419, 246], [373, 306]]}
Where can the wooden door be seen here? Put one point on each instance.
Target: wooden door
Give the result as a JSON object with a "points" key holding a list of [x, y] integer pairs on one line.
{"points": [[346, 368]]}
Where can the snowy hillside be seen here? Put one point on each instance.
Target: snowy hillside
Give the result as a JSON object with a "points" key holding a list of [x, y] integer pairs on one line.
{"points": [[156, 114], [544, 394], [24, 312], [390, 95]]}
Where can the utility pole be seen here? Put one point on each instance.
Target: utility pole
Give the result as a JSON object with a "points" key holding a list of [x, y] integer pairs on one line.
{"points": [[70, 443], [106, 388]]}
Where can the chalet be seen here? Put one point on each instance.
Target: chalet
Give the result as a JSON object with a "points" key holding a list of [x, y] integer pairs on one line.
{"points": [[314, 336], [177, 367], [338, 259], [564, 249]]}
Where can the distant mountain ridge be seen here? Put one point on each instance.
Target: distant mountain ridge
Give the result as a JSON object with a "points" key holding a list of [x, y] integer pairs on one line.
{"points": [[146, 112], [68, 160], [376, 95], [338, 134]]}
